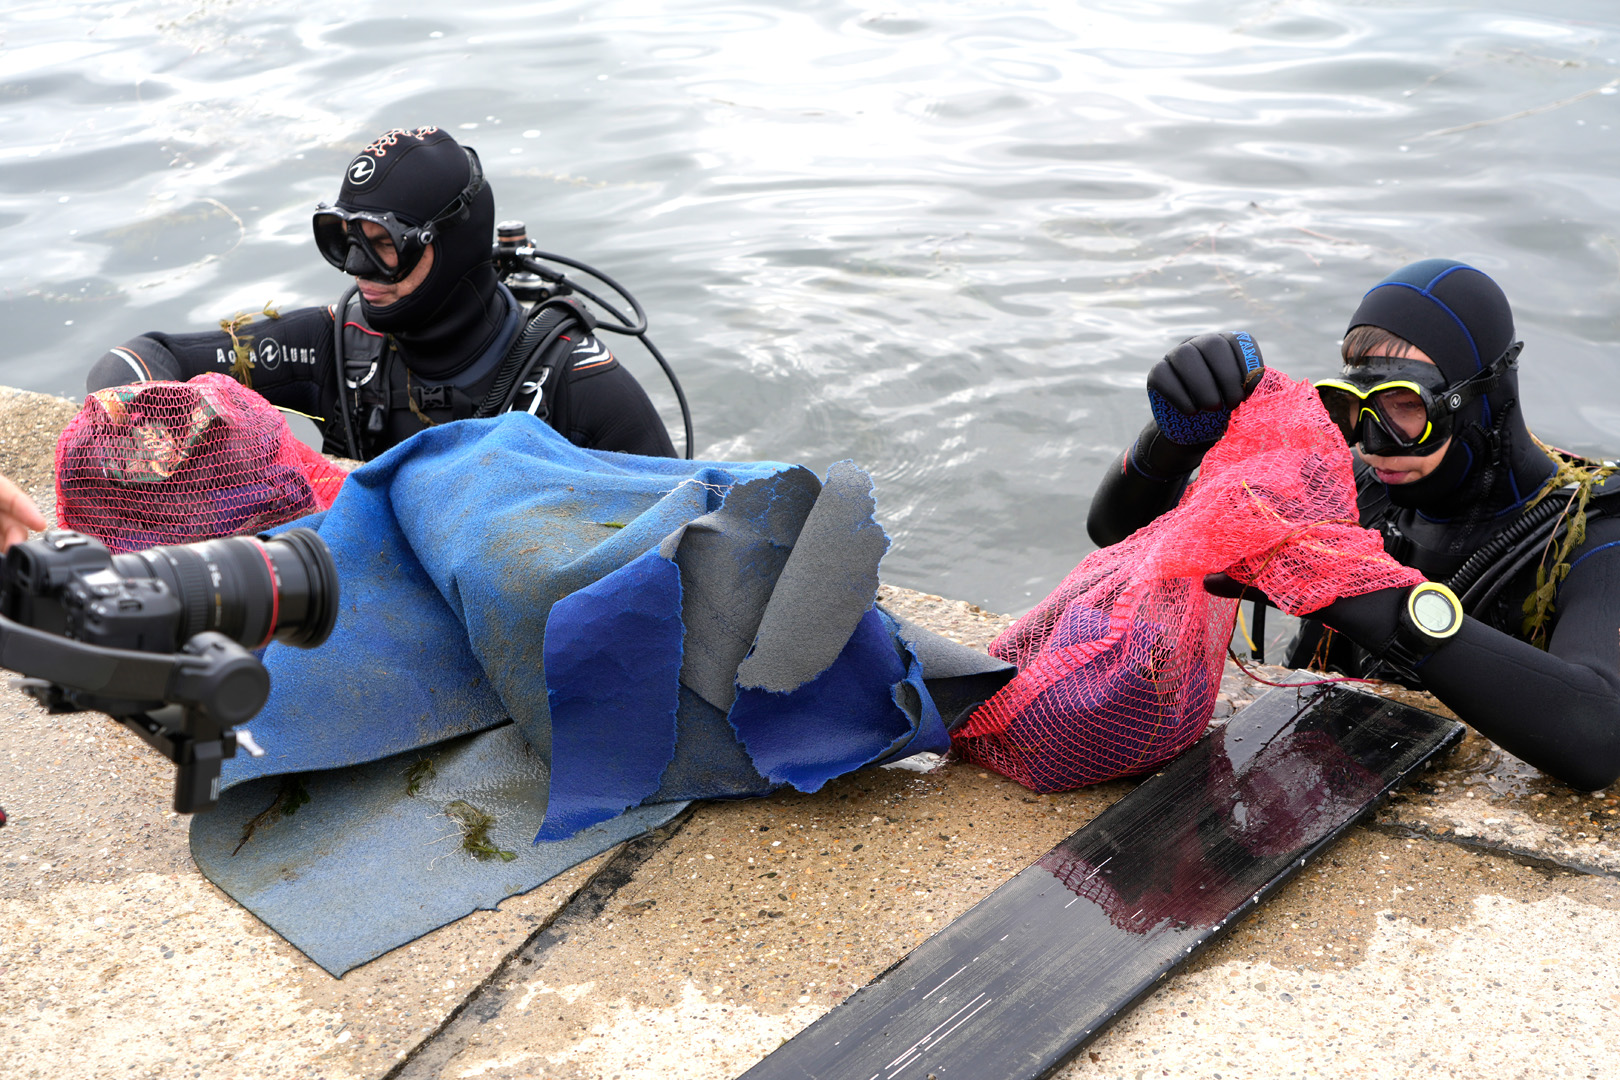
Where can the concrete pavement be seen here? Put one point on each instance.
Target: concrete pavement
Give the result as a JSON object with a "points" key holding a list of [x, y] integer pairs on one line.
{"points": [[1472, 930]]}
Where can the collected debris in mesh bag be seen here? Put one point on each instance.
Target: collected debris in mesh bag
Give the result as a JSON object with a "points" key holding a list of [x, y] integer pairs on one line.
{"points": [[1119, 666], [171, 462]]}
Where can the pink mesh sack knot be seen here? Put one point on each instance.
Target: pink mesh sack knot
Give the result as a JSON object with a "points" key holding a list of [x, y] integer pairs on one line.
{"points": [[1119, 667], [170, 462]]}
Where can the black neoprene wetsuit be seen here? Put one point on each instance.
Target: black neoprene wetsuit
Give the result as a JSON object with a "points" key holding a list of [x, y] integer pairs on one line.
{"points": [[1558, 709], [588, 396]]}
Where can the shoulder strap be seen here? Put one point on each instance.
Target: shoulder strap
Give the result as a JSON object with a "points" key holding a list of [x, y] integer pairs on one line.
{"points": [[543, 328]]}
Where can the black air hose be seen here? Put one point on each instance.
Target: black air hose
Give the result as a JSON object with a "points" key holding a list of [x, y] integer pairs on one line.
{"points": [[552, 334], [633, 325], [1481, 561], [496, 400], [341, 319]]}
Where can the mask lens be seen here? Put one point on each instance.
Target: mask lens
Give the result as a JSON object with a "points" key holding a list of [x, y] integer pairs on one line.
{"points": [[1342, 407], [380, 247], [332, 238], [361, 244], [1403, 412]]}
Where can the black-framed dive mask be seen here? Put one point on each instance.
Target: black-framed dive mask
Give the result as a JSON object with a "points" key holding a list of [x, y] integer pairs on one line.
{"points": [[392, 254], [1400, 407]]}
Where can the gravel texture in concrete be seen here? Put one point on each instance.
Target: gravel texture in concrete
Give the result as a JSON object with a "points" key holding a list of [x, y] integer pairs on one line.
{"points": [[1471, 930]]}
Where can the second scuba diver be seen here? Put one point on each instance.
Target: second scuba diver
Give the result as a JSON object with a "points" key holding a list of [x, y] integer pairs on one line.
{"points": [[435, 335], [1445, 470]]}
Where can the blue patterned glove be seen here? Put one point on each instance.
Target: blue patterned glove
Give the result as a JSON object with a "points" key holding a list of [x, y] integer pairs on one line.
{"points": [[1194, 389]]}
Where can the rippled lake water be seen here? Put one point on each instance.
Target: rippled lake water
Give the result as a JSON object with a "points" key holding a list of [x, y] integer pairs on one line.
{"points": [[944, 239]]}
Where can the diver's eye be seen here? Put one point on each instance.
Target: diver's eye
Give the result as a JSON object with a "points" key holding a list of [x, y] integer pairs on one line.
{"points": [[1404, 411]]}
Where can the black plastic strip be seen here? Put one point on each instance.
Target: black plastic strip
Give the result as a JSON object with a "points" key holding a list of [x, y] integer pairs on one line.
{"points": [[1025, 979]]}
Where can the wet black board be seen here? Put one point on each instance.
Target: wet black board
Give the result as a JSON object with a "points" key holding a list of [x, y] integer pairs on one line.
{"points": [[1043, 965]]}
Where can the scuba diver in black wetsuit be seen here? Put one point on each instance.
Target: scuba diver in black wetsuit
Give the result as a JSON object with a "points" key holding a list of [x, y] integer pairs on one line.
{"points": [[1446, 470], [436, 335]]}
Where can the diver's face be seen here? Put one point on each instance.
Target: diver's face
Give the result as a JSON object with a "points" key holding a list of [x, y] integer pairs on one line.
{"points": [[379, 293], [1405, 470]]}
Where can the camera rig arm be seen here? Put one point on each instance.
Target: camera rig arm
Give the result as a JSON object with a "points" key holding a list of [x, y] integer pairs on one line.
{"points": [[184, 704]]}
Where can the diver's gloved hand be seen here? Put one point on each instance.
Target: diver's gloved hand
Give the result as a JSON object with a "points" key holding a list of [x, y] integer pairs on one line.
{"points": [[1232, 589], [1194, 389], [1192, 392]]}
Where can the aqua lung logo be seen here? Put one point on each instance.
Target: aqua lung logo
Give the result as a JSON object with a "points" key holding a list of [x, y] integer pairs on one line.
{"points": [[361, 170], [268, 355]]}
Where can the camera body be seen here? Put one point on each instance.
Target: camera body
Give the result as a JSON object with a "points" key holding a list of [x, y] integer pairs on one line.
{"points": [[67, 584], [161, 639]]}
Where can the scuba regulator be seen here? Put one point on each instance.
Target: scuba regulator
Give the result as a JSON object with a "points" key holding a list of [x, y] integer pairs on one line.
{"points": [[523, 270]]}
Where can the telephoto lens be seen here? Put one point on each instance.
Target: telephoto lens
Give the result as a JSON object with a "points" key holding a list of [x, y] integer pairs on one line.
{"points": [[254, 590]]}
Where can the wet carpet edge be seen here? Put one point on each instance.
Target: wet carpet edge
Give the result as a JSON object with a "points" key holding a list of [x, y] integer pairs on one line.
{"points": [[349, 864], [484, 1003]]}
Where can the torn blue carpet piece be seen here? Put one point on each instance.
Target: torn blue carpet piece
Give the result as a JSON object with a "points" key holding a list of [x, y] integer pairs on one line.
{"points": [[657, 630], [851, 708], [613, 665], [398, 651]]}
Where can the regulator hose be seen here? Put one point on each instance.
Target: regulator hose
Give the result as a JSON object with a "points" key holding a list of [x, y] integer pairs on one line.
{"points": [[538, 335], [342, 373], [530, 259], [1529, 529]]}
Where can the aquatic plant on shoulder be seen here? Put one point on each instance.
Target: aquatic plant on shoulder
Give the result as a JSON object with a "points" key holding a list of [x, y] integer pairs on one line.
{"points": [[1579, 475], [242, 344]]}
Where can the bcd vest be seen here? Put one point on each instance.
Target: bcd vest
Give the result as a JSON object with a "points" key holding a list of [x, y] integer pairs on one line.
{"points": [[385, 404]]}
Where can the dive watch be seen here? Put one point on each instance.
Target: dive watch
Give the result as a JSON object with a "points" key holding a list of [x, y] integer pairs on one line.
{"points": [[1430, 616]]}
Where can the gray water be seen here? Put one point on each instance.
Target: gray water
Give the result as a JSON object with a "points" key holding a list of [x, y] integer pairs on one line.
{"points": [[943, 239]]}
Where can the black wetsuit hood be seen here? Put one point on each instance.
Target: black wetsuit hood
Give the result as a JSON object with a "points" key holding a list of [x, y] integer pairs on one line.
{"points": [[1460, 318], [451, 318]]}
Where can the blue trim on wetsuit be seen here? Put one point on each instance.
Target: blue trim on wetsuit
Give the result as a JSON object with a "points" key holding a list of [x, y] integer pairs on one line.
{"points": [[1588, 555], [493, 355]]}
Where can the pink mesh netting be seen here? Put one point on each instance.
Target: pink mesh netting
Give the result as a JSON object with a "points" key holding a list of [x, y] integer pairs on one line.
{"points": [[170, 462], [1119, 667]]}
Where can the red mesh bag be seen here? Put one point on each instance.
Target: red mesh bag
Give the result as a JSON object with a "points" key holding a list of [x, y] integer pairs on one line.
{"points": [[1119, 667], [170, 462]]}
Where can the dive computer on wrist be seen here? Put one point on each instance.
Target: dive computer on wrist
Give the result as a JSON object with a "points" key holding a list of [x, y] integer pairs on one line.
{"points": [[1430, 616]]}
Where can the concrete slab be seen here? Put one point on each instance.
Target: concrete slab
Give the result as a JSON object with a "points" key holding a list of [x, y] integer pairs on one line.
{"points": [[1471, 931], [118, 958]]}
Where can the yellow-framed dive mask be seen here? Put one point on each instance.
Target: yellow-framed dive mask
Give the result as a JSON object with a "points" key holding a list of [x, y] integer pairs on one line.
{"points": [[1401, 407]]}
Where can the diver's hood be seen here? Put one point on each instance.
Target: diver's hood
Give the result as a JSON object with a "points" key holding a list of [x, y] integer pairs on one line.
{"points": [[1460, 318], [415, 175]]}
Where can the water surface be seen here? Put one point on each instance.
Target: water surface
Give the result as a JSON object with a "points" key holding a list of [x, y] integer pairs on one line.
{"points": [[943, 239]]}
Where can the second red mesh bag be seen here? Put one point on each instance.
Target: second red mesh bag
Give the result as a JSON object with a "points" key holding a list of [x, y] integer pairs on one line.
{"points": [[171, 462], [1119, 667]]}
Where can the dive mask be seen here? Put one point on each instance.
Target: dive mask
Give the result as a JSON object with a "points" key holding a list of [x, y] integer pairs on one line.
{"points": [[1401, 407], [391, 255]]}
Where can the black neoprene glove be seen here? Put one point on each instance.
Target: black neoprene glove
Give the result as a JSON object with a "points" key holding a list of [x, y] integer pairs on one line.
{"points": [[1192, 393], [1556, 712]]}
